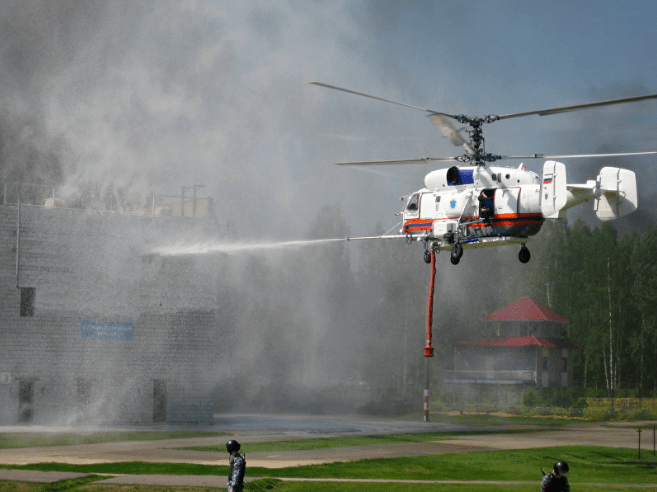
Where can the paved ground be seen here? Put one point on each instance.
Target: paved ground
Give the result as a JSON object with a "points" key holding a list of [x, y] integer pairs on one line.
{"points": [[37, 476], [243, 428], [266, 428]]}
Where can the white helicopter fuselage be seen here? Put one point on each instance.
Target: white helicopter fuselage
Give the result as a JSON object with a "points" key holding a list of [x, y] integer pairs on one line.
{"points": [[480, 206]]}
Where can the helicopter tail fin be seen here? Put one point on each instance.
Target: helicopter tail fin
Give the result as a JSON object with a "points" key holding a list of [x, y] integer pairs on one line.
{"points": [[554, 193], [618, 195]]}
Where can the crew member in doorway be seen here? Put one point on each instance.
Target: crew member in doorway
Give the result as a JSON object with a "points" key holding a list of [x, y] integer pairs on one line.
{"points": [[237, 467], [485, 207], [556, 480]]}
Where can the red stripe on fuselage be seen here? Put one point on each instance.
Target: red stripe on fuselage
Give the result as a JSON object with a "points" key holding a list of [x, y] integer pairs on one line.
{"points": [[498, 220]]}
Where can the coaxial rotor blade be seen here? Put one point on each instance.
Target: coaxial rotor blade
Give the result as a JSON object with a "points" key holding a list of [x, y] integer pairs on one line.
{"points": [[574, 156], [349, 91], [450, 132], [422, 160], [577, 107]]}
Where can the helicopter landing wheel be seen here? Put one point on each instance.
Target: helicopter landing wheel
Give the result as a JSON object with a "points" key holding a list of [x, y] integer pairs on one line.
{"points": [[427, 256], [524, 254], [457, 252]]}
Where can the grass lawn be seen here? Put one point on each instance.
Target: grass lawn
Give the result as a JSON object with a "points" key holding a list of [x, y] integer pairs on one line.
{"points": [[589, 464], [278, 486], [497, 419]]}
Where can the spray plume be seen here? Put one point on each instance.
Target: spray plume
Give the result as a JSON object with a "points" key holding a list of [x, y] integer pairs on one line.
{"points": [[236, 248]]}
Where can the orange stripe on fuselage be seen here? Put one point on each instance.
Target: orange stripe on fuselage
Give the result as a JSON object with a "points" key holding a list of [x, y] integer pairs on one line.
{"points": [[501, 220], [498, 220]]}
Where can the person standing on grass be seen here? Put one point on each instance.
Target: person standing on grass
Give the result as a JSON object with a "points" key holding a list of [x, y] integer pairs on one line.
{"points": [[556, 480], [237, 467]]}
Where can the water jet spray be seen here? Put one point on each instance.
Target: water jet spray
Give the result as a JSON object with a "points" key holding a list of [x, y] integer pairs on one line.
{"points": [[235, 248]]}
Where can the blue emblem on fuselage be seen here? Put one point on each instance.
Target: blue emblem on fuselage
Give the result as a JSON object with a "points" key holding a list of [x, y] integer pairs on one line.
{"points": [[452, 204]]}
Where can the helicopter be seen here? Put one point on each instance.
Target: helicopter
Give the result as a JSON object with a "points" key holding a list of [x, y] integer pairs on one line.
{"points": [[475, 204]]}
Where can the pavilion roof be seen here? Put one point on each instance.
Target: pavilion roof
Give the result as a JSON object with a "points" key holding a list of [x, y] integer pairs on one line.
{"points": [[527, 309]]}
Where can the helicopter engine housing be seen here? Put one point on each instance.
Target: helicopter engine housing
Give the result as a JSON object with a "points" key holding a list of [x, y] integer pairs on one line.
{"points": [[445, 178], [442, 228]]}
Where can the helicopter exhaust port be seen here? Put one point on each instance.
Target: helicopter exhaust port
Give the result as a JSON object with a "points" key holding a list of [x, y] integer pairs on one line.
{"points": [[453, 175]]}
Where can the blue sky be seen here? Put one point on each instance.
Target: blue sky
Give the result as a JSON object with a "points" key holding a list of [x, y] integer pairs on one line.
{"points": [[155, 95], [541, 48]]}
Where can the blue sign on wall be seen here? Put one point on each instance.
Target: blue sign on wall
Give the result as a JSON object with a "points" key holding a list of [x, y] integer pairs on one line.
{"points": [[106, 330]]}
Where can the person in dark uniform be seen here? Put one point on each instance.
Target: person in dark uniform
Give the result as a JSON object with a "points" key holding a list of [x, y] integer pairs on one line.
{"points": [[556, 480], [485, 207], [237, 467]]}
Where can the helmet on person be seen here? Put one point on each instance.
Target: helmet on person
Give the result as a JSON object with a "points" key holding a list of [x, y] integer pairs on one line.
{"points": [[232, 445], [561, 467]]}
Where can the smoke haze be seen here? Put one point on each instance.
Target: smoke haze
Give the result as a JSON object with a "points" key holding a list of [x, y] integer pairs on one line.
{"points": [[150, 96]]}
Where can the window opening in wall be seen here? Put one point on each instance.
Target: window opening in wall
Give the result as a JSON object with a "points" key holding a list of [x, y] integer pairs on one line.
{"points": [[25, 400], [28, 297], [159, 400]]}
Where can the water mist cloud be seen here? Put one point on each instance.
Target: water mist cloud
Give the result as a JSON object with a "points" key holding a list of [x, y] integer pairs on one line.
{"points": [[152, 96]]}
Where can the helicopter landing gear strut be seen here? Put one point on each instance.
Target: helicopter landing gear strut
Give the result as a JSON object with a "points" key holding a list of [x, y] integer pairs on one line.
{"points": [[524, 254]]}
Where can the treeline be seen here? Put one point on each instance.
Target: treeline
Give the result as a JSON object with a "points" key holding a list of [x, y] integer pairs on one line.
{"points": [[353, 315], [607, 285]]}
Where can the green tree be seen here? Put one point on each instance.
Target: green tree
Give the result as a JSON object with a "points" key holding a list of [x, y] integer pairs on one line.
{"points": [[643, 341]]}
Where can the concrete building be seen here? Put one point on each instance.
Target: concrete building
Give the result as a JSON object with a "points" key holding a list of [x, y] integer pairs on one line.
{"points": [[95, 327]]}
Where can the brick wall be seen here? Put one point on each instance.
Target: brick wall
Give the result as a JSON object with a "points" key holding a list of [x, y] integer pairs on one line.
{"points": [[87, 267]]}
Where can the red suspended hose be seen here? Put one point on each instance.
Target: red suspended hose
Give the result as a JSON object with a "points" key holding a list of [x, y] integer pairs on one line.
{"points": [[428, 349]]}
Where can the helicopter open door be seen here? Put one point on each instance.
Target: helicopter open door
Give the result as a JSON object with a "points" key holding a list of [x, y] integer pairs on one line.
{"points": [[554, 193], [619, 196]]}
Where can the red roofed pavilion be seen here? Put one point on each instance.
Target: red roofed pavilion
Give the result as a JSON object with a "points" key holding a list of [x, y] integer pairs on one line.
{"points": [[524, 352]]}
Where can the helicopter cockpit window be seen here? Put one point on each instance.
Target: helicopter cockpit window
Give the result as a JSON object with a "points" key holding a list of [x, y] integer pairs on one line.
{"points": [[494, 177], [413, 203]]}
